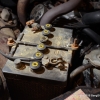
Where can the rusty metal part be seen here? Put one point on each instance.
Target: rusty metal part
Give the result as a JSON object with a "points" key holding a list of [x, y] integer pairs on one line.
{"points": [[56, 60], [32, 37], [53, 61], [59, 10], [60, 66], [45, 61], [21, 10], [75, 42], [10, 42], [30, 22], [74, 46], [36, 27]]}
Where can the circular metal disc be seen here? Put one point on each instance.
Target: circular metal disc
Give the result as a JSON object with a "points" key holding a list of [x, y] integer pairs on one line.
{"points": [[41, 46], [37, 12], [46, 32], [38, 55], [35, 65], [48, 26], [94, 57]]}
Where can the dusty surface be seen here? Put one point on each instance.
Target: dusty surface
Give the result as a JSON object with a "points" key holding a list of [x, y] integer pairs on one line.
{"points": [[4, 48], [59, 37]]}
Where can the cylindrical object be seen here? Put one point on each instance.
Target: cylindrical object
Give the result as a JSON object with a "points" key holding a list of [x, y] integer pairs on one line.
{"points": [[48, 26], [59, 10], [46, 32], [38, 55], [41, 47], [43, 39], [21, 10], [35, 65], [92, 34], [79, 70], [91, 18]]}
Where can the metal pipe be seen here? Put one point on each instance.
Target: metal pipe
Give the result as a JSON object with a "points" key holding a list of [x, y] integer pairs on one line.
{"points": [[59, 10], [79, 70], [21, 10], [91, 18], [93, 35]]}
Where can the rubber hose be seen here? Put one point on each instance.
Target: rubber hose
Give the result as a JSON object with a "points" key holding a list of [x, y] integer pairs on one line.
{"points": [[79, 70], [59, 10], [91, 18], [92, 34], [21, 10]]}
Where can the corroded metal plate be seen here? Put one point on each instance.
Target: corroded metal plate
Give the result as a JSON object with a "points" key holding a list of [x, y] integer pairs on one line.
{"points": [[59, 37]]}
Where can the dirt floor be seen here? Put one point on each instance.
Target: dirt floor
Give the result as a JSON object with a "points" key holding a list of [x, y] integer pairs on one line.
{"points": [[4, 48]]}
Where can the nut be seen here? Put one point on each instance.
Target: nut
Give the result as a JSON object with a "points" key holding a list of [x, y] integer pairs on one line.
{"points": [[48, 26], [43, 38], [35, 65], [46, 32]]}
